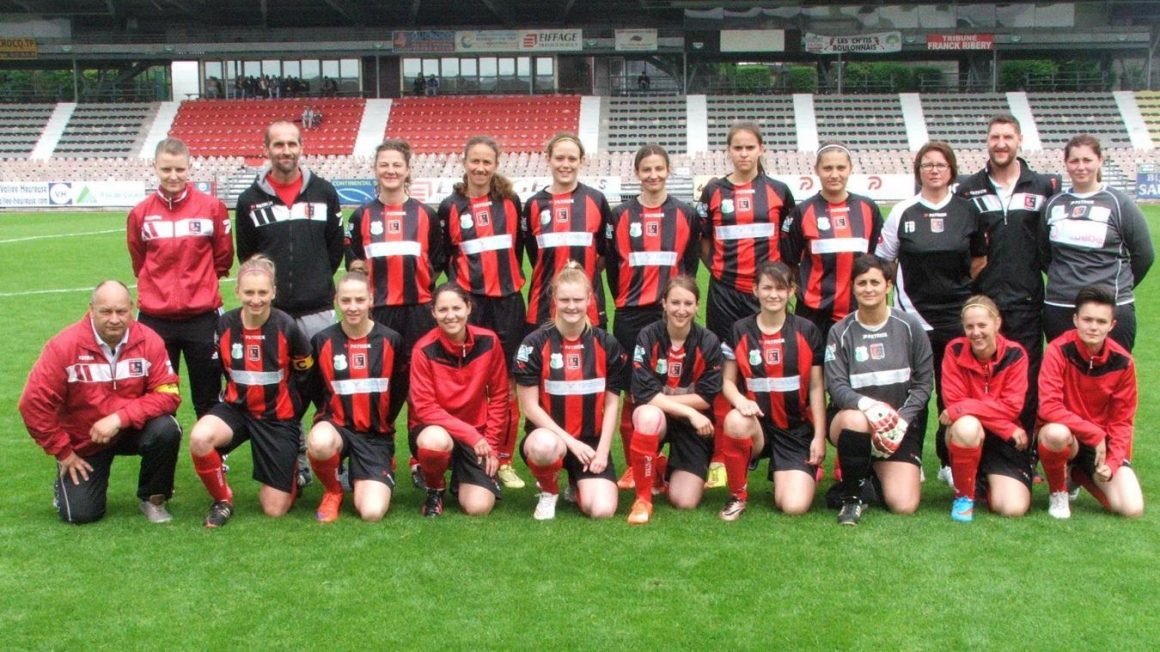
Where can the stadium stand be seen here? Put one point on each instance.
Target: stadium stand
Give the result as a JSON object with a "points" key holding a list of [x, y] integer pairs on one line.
{"points": [[20, 128], [961, 120], [233, 128], [631, 121], [861, 121], [773, 113], [519, 124], [1060, 116], [104, 130], [1149, 103]]}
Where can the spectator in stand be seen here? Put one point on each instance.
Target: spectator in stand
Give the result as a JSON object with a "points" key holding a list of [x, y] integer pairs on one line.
{"points": [[643, 82], [420, 85], [432, 85]]}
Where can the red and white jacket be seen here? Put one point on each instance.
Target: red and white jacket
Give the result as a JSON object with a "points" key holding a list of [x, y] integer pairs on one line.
{"points": [[1093, 395], [992, 391], [180, 247], [73, 385], [461, 387]]}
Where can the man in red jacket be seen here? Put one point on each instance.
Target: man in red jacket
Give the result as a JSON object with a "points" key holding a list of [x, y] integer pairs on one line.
{"points": [[1087, 409], [104, 387]]}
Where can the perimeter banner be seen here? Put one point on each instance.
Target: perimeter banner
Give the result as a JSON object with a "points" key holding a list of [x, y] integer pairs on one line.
{"points": [[879, 187], [83, 194], [874, 43]]}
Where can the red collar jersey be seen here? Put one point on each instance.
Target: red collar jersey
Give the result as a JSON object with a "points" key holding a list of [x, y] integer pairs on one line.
{"points": [[260, 365], [461, 387], [73, 385], [355, 378], [648, 246], [179, 248], [776, 368], [1093, 395], [992, 391], [822, 240], [483, 244], [742, 223], [660, 368], [403, 247], [573, 376], [559, 228]]}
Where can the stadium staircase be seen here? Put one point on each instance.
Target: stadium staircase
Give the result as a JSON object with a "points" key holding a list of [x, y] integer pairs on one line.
{"points": [[370, 130], [51, 130], [158, 129], [1133, 120]]}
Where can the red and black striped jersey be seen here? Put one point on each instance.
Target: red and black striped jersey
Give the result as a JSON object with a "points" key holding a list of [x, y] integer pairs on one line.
{"points": [[354, 378], [742, 223], [559, 228], [823, 239], [659, 367], [261, 365], [573, 376], [648, 246], [482, 239], [403, 248], [776, 368]]}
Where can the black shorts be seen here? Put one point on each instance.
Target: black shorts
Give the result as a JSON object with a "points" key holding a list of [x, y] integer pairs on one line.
{"points": [[370, 455], [823, 320], [572, 464], [1000, 457], [725, 306], [788, 450], [411, 322], [1085, 460], [627, 323], [688, 451], [273, 445], [465, 466], [504, 315]]}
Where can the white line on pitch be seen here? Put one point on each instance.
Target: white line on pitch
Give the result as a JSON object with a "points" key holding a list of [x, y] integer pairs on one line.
{"points": [[61, 235], [29, 293]]}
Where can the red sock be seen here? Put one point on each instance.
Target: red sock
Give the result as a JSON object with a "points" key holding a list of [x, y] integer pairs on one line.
{"points": [[547, 476], [434, 465], [737, 452], [721, 407], [209, 469], [1054, 467], [837, 467], [327, 472], [660, 465], [643, 455], [626, 429], [1085, 481], [509, 443], [964, 468]]}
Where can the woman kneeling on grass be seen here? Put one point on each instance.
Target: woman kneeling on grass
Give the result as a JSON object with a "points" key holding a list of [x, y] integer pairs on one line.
{"points": [[357, 360], [569, 374], [781, 414], [459, 405], [879, 374], [676, 374], [265, 359], [984, 380]]}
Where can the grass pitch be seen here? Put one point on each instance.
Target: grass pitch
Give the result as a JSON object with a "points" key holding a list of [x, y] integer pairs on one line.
{"points": [[507, 582]]}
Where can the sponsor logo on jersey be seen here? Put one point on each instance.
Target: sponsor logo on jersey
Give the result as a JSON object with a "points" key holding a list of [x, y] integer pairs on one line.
{"points": [[136, 367], [253, 353], [563, 214], [358, 360], [394, 226], [877, 351], [652, 227], [840, 222], [744, 203], [340, 362], [675, 369], [638, 354], [573, 360], [773, 356], [482, 217]]}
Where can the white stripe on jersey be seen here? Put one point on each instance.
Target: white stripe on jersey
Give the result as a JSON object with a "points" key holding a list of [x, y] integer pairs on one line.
{"points": [[744, 231], [103, 372], [574, 387], [397, 248], [652, 259], [360, 386], [678, 391], [564, 239], [196, 227], [767, 385], [1084, 234], [880, 378], [317, 211], [489, 243], [837, 245], [243, 377]]}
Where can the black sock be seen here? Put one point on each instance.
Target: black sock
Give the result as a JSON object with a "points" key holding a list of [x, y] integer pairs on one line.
{"points": [[854, 454]]}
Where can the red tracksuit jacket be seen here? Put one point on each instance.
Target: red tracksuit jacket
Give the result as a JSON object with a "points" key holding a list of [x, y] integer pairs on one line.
{"points": [[991, 391], [463, 388], [72, 386], [1093, 395], [179, 248]]}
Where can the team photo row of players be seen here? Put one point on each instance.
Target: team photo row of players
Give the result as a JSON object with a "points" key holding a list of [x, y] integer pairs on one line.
{"points": [[470, 356]]}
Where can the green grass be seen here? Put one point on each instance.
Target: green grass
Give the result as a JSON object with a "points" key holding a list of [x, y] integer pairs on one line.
{"points": [[507, 582]]}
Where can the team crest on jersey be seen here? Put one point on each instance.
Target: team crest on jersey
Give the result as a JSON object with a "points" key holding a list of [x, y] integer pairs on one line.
{"points": [[573, 360], [253, 353], [662, 366], [563, 214], [823, 224], [394, 226], [136, 368], [937, 225], [1079, 211], [861, 354], [358, 360], [831, 353], [754, 357], [877, 351], [195, 226], [236, 351], [840, 222], [523, 353], [634, 230], [726, 205], [545, 216], [377, 228], [773, 357], [702, 209], [465, 221], [652, 227], [340, 362], [744, 203], [556, 361], [908, 226], [675, 369], [638, 354], [483, 217]]}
